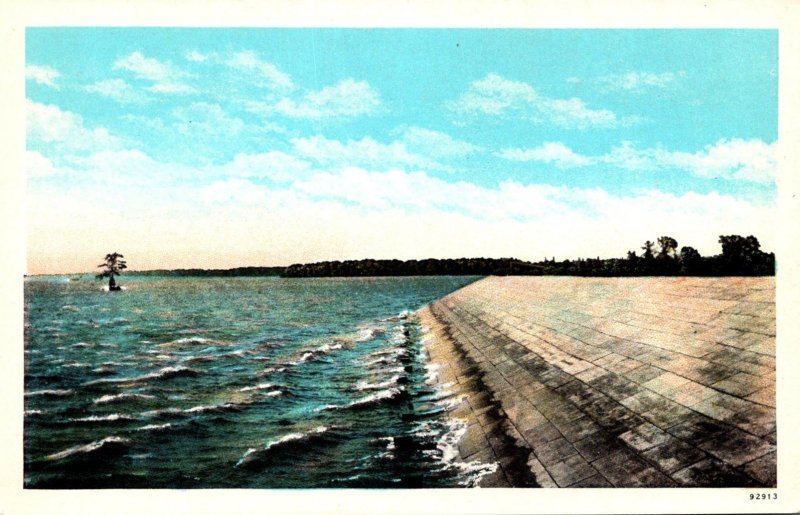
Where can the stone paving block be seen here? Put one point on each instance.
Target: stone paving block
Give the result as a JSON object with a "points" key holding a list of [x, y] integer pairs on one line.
{"points": [[595, 481], [543, 478], [764, 470], [571, 470], [667, 415], [665, 382], [674, 455], [598, 445], [579, 429], [741, 384], [711, 472], [624, 469], [644, 373], [765, 396], [737, 447], [644, 436], [554, 451]]}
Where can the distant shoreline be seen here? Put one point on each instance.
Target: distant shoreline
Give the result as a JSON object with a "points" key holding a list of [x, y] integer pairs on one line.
{"points": [[740, 257]]}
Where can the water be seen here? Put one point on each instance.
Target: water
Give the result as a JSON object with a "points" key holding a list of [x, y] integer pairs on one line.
{"points": [[234, 383]]}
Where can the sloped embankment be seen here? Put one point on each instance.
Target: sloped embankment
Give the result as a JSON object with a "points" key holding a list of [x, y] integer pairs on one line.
{"points": [[632, 382]]}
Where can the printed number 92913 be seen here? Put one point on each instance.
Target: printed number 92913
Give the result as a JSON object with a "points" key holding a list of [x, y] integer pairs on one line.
{"points": [[759, 497]]}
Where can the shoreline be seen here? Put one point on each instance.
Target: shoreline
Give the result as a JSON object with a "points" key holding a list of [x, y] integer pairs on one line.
{"points": [[484, 437]]}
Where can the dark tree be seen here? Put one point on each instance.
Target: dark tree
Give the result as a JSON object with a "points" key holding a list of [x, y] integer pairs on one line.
{"points": [[668, 247], [648, 250], [113, 265], [691, 261]]}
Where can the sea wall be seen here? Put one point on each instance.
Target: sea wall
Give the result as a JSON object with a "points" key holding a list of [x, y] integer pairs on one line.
{"points": [[621, 382]]}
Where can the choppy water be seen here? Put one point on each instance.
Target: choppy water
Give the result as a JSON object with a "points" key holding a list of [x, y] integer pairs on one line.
{"points": [[243, 382]]}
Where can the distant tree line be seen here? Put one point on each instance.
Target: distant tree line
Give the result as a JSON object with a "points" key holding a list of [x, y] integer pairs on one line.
{"points": [[246, 271], [396, 267], [740, 256]]}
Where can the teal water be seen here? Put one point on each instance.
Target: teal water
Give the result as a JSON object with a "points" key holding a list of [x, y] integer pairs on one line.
{"points": [[234, 383]]}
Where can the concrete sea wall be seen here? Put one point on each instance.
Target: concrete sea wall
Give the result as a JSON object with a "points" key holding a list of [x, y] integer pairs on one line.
{"points": [[612, 382]]}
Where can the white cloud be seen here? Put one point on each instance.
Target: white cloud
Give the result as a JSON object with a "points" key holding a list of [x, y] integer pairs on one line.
{"points": [[268, 74], [195, 56], [736, 159], [346, 99], [49, 126], [366, 151], [435, 143], [274, 165], [118, 90], [639, 81], [201, 119], [746, 160], [233, 190], [549, 152], [166, 78], [495, 95], [37, 165], [42, 75]]}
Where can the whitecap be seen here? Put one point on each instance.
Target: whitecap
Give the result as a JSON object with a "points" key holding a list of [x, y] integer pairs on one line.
{"points": [[113, 417], [261, 386], [155, 427], [55, 393], [163, 373], [387, 394], [125, 396], [90, 447], [253, 452], [363, 385]]}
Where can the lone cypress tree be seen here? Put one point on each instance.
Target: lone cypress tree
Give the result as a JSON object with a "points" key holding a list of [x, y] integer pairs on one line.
{"points": [[114, 265]]}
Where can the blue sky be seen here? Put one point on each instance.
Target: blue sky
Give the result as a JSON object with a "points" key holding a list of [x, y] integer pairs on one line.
{"points": [[233, 147]]}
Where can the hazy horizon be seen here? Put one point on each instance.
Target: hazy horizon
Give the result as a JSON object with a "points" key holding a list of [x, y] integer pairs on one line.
{"points": [[225, 148]]}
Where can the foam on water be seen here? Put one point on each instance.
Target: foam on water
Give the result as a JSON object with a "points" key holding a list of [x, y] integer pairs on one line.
{"points": [[109, 441], [50, 393], [121, 397]]}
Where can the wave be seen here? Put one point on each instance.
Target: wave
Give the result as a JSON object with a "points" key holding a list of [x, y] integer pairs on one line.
{"points": [[271, 370], [403, 315], [368, 333], [262, 386], [155, 427], [106, 444], [256, 454], [316, 353], [50, 393], [213, 408], [82, 345], [470, 471], [198, 359], [363, 385], [75, 364], [164, 373], [113, 417], [121, 397], [35, 412], [369, 400], [172, 412]]}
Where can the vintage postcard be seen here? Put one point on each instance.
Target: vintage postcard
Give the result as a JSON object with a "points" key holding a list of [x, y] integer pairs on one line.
{"points": [[512, 266]]}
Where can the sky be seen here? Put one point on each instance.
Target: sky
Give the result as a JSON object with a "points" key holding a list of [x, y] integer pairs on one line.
{"points": [[218, 148]]}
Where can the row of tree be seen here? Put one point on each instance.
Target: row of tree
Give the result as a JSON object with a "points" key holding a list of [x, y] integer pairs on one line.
{"points": [[740, 256], [396, 267]]}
